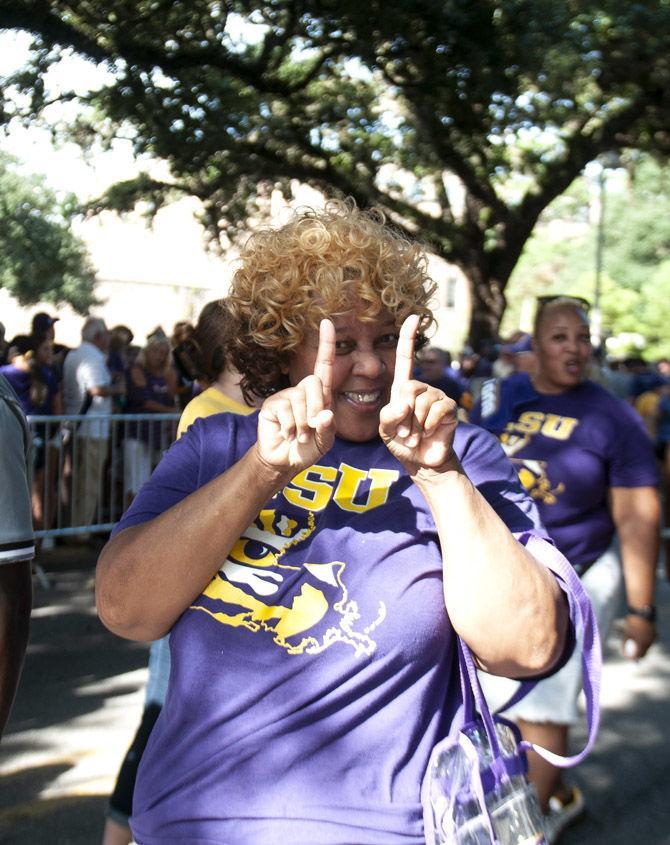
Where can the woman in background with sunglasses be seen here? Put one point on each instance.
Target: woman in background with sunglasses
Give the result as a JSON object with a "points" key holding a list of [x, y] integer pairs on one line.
{"points": [[586, 459]]}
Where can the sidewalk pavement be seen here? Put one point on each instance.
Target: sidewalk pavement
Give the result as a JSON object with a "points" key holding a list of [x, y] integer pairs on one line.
{"points": [[81, 696]]}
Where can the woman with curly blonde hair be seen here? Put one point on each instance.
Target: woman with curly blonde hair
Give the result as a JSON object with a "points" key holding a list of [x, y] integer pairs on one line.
{"points": [[319, 265], [313, 560]]}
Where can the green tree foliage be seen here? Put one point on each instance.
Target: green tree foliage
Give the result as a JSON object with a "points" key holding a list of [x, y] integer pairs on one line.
{"points": [[655, 312], [463, 120], [635, 283], [637, 237], [40, 257]]}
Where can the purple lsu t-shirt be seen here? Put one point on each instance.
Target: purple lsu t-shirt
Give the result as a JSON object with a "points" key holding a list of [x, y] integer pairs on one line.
{"points": [[569, 450], [316, 671]]}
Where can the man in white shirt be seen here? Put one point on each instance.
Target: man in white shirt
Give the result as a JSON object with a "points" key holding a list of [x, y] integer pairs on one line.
{"points": [[17, 547], [88, 389]]}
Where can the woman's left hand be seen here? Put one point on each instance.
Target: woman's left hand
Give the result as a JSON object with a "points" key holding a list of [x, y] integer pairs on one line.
{"points": [[419, 422], [638, 636]]}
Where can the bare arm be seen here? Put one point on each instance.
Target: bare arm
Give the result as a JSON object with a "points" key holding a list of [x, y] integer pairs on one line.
{"points": [[636, 512], [108, 389], [506, 606], [146, 561], [57, 404], [149, 574], [15, 604]]}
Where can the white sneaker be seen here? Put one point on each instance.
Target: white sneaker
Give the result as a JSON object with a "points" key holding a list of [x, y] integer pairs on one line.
{"points": [[560, 815]]}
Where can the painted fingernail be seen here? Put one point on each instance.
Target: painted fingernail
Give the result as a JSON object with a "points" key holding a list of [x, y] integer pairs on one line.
{"points": [[403, 430]]}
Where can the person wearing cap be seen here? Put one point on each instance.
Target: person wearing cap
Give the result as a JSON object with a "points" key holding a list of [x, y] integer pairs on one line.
{"points": [[43, 325], [88, 389], [17, 547], [517, 356]]}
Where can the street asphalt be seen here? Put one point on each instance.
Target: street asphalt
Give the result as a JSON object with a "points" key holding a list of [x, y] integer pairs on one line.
{"points": [[81, 697]]}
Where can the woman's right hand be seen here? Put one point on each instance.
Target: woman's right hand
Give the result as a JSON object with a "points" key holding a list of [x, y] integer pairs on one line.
{"points": [[296, 425]]}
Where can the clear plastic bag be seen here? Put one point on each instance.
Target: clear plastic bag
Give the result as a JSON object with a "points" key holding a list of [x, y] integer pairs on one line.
{"points": [[475, 791], [474, 799]]}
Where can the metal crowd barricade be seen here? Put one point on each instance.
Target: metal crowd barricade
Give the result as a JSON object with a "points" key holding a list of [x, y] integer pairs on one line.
{"points": [[83, 486], [59, 452]]}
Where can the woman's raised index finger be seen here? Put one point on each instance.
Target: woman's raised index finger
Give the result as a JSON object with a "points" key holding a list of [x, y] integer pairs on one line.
{"points": [[404, 353], [325, 357]]}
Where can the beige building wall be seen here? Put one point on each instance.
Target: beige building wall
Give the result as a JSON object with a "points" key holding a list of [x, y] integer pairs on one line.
{"points": [[147, 275], [150, 275]]}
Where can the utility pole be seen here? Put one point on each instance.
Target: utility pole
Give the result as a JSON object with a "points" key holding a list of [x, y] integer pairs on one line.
{"points": [[596, 315]]}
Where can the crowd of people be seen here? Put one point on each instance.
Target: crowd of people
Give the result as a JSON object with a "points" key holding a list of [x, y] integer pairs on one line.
{"points": [[108, 375], [348, 502], [104, 376]]}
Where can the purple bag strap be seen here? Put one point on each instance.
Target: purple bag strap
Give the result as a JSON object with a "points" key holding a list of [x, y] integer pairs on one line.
{"points": [[473, 699], [585, 622], [473, 696]]}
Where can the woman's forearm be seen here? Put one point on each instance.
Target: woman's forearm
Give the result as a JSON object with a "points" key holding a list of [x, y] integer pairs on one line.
{"points": [[506, 606], [148, 574], [636, 513]]}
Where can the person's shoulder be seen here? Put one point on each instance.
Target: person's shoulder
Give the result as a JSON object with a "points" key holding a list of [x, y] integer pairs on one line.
{"points": [[221, 426], [218, 440], [498, 395], [7, 393], [75, 356], [618, 420], [231, 421], [138, 375], [600, 400], [593, 388], [11, 414], [206, 404], [472, 442], [16, 378]]}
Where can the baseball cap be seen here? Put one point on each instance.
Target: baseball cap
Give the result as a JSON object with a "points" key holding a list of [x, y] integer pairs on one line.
{"points": [[523, 344], [43, 321]]}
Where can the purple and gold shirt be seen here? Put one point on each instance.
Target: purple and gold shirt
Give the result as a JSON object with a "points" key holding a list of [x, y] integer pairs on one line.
{"points": [[314, 674]]}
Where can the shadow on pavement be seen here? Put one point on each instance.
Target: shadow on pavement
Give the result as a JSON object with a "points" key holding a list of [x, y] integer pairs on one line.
{"points": [[51, 821], [71, 720], [625, 779]]}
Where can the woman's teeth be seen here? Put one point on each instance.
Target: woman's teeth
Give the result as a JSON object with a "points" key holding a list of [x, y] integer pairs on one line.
{"points": [[362, 398]]}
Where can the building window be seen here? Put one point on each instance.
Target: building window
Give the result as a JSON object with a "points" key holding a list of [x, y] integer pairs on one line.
{"points": [[451, 292]]}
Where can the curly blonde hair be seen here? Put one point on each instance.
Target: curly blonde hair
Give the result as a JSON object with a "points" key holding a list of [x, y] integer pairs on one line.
{"points": [[322, 263]]}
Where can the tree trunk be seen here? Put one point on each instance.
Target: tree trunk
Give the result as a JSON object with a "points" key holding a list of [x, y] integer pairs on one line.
{"points": [[488, 306]]}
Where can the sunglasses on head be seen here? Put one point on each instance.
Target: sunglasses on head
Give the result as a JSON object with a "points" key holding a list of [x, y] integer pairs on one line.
{"points": [[543, 301]]}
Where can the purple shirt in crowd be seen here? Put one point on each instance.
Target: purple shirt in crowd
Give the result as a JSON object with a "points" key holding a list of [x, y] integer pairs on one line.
{"points": [[569, 450], [316, 671], [20, 381]]}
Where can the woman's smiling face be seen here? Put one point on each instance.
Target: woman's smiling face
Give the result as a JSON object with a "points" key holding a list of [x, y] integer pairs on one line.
{"points": [[362, 372]]}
